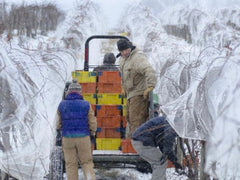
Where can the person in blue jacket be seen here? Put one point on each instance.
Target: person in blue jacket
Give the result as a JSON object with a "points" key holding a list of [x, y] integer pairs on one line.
{"points": [[154, 141], [77, 123]]}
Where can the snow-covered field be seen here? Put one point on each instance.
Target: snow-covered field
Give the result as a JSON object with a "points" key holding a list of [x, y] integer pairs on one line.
{"points": [[198, 79]]}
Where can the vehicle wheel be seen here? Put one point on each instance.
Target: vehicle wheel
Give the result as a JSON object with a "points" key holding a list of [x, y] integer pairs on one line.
{"points": [[144, 167], [56, 164]]}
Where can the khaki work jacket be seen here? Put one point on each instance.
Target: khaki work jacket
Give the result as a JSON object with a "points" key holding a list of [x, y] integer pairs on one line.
{"points": [[137, 73]]}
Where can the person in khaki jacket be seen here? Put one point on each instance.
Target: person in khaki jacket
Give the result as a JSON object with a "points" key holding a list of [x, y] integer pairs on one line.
{"points": [[78, 123], [138, 79]]}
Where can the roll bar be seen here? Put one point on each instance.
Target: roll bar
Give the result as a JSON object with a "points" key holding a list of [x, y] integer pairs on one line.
{"points": [[86, 60]]}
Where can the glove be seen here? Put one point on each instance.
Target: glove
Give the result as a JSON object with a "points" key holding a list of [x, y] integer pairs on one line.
{"points": [[146, 92], [124, 92]]}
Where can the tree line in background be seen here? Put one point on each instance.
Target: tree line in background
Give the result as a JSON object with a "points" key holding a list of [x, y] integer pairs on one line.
{"points": [[29, 20]]}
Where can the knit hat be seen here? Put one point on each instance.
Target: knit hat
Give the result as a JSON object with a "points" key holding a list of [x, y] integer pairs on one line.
{"points": [[109, 58], [123, 44], [74, 86]]}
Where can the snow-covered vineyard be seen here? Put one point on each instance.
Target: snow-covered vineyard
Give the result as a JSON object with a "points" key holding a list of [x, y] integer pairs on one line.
{"points": [[194, 50]]}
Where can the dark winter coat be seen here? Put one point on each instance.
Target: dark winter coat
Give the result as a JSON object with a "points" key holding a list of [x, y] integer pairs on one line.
{"points": [[74, 116], [106, 67], [157, 132], [108, 63]]}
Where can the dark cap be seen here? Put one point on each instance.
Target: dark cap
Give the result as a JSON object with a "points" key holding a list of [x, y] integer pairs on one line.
{"points": [[123, 44]]}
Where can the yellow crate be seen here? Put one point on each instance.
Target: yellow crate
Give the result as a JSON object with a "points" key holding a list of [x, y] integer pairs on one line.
{"points": [[108, 143], [91, 98], [124, 101], [109, 99], [84, 76], [123, 110]]}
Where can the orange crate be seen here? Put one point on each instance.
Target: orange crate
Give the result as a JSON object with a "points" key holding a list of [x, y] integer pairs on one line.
{"points": [[94, 108], [127, 147], [109, 76], [108, 133], [109, 87], [124, 122], [88, 87], [170, 164], [109, 121], [108, 110]]}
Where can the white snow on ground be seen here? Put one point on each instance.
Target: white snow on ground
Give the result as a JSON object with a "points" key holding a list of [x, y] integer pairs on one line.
{"points": [[198, 83]]}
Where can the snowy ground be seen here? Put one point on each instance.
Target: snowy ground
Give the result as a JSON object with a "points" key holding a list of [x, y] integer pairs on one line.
{"points": [[32, 83], [127, 174]]}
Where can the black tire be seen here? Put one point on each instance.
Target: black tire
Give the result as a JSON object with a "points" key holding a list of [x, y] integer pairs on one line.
{"points": [[56, 164], [144, 167]]}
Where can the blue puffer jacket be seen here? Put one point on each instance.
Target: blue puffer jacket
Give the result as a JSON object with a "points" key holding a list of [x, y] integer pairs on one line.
{"points": [[74, 116], [157, 132]]}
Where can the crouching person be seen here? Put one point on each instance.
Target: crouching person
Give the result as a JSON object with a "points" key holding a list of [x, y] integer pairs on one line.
{"points": [[154, 141], [77, 123]]}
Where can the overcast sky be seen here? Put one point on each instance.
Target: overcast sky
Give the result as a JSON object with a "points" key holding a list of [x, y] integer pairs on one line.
{"points": [[113, 9]]}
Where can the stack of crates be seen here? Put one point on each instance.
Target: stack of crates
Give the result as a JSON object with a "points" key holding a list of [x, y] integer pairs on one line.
{"points": [[103, 91], [109, 110]]}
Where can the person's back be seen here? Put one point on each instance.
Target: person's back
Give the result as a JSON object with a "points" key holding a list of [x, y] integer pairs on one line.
{"points": [[71, 115], [108, 63], [77, 122], [154, 133]]}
